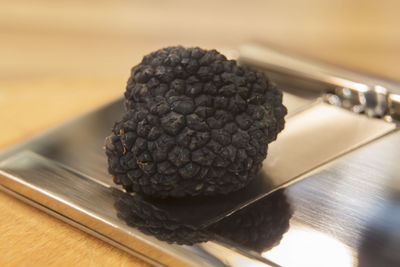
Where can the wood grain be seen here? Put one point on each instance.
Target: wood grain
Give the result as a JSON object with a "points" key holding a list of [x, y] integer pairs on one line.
{"points": [[63, 58]]}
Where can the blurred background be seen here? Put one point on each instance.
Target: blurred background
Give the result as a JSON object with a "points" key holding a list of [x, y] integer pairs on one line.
{"points": [[61, 58]]}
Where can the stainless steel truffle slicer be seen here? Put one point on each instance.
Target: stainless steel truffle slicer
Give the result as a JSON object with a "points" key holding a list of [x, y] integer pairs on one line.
{"points": [[335, 159]]}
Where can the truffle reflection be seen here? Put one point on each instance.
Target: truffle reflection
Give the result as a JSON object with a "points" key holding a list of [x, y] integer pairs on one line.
{"points": [[258, 227], [151, 220]]}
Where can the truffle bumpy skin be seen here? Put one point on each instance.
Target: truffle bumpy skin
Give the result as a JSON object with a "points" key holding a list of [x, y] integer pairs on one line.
{"points": [[196, 124]]}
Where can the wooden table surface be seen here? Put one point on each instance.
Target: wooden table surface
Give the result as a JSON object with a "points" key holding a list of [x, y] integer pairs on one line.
{"points": [[59, 59]]}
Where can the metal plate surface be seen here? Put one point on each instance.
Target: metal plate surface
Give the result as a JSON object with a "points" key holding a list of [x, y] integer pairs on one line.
{"points": [[337, 166], [346, 213]]}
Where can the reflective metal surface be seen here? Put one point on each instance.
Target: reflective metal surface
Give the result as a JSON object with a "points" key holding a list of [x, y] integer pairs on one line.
{"points": [[347, 212], [337, 164], [303, 74], [394, 106], [317, 135], [93, 206], [354, 91]]}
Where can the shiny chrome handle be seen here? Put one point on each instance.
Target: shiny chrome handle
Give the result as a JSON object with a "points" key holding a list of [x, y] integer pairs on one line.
{"points": [[376, 97]]}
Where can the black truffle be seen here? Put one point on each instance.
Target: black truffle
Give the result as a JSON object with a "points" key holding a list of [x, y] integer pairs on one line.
{"points": [[196, 124]]}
